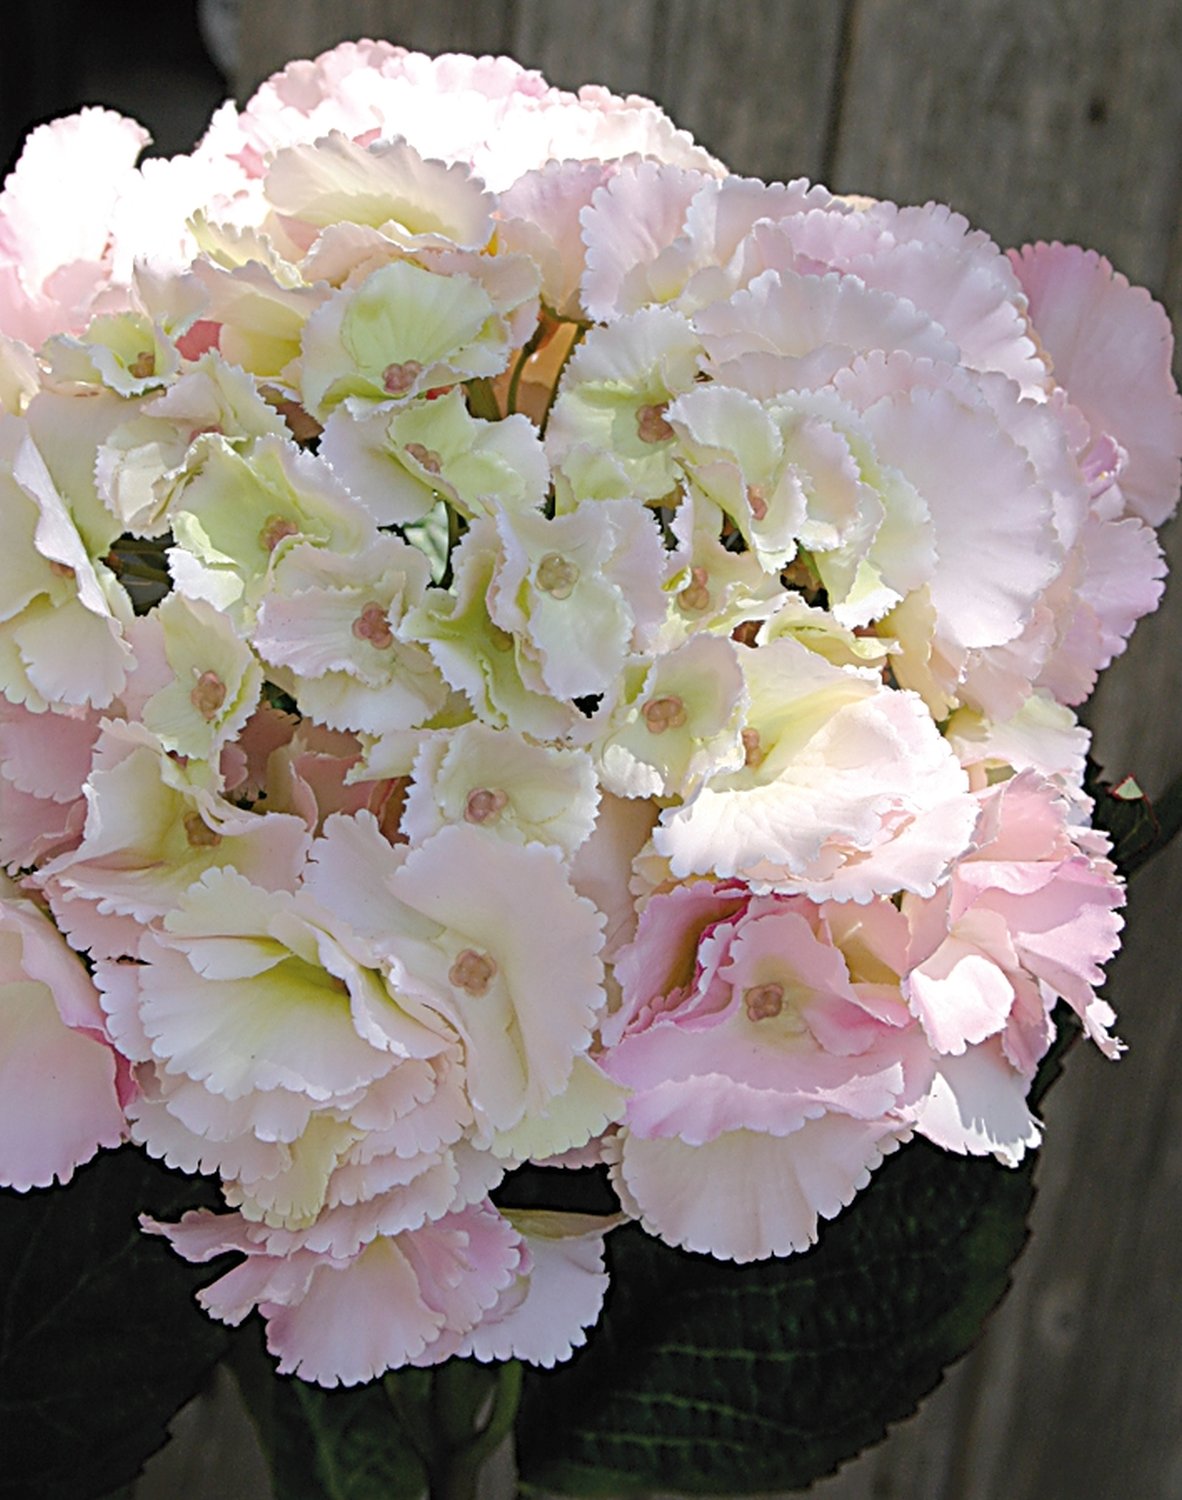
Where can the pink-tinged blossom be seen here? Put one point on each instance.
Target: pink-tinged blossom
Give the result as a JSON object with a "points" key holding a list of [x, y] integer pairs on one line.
{"points": [[328, 630], [62, 616], [488, 112], [59, 1082], [474, 930], [551, 1307], [540, 215], [768, 1050], [1111, 348], [926, 256], [847, 790], [386, 185], [152, 828], [399, 1300], [1114, 576], [939, 430], [657, 233], [498, 781], [44, 760], [55, 214], [1027, 918], [786, 332], [580, 593]]}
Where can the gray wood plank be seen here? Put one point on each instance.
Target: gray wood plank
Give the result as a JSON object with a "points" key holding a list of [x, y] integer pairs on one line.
{"points": [[1054, 120], [1060, 121], [753, 82], [275, 31], [588, 41]]}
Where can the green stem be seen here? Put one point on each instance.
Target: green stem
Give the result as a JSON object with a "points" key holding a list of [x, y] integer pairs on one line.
{"points": [[1167, 809], [580, 335], [455, 530], [482, 400], [465, 1436], [529, 348]]}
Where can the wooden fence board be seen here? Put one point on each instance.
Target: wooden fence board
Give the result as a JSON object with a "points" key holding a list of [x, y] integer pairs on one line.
{"points": [[1058, 120], [753, 82], [274, 31], [588, 41]]}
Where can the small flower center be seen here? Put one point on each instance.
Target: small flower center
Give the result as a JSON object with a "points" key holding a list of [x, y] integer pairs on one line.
{"points": [[485, 805], [398, 379], [501, 639], [61, 569], [372, 625], [651, 426], [208, 695], [274, 529], [661, 714], [757, 500], [199, 834], [425, 457], [472, 972], [143, 365], [557, 575], [763, 1002], [754, 754], [695, 597]]}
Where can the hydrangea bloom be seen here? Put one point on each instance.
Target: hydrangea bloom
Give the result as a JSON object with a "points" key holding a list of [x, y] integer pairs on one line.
{"points": [[518, 645]]}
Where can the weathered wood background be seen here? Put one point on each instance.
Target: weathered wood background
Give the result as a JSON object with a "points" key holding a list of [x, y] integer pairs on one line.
{"points": [[1055, 119]]}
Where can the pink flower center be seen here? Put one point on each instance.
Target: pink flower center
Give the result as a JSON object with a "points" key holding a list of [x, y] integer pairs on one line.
{"points": [[557, 575], [661, 714], [757, 500], [208, 695], [61, 570], [143, 365], [651, 425], [398, 379], [425, 457], [274, 529], [372, 625], [485, 805], [763, 1002], [472, 972], [695, 597], [754, 754], [199, 834]]}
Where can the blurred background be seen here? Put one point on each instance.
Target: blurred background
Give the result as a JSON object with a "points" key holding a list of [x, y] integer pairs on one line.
{"points": [[1061, 120]]}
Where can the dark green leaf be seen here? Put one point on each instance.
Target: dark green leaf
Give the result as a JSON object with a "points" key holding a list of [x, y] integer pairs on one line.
{"points": [[353, 1444], [1138, 827], [100, 1340], [706, 1377]]}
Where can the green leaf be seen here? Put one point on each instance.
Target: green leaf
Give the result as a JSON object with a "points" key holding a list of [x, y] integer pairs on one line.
{"points": [[1138, 827], [706, 1377], [100, 1340], [345, 1444]]}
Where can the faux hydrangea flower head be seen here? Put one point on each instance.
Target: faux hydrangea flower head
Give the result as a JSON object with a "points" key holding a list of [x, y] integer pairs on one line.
{"points": [[519, 646]]}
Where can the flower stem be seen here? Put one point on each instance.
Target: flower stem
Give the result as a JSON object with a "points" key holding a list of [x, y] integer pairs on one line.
{"points": [[473, 1408]]}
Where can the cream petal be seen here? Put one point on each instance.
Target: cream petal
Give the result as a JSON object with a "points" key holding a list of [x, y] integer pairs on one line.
{"points": [[766, 1193]]}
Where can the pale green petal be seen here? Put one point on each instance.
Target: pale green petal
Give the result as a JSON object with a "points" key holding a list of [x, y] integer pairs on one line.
{"points": [[590, 1103]]}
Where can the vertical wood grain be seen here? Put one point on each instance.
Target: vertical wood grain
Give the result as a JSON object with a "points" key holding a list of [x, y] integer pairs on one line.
{"points": [[753, 82], [1060, 121], [1057, 120], [275, 31], [588, 41]]}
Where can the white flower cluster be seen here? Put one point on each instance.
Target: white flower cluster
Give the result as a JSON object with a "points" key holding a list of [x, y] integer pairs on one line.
{"points": [[517, 645]]}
